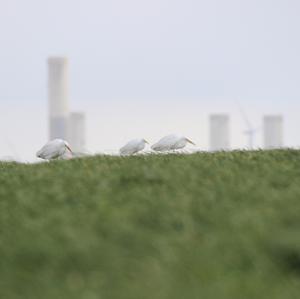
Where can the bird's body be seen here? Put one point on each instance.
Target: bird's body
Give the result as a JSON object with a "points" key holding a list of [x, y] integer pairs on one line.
{"points": [[54, 149], [165, 143], [171, 142], [132, 147]]}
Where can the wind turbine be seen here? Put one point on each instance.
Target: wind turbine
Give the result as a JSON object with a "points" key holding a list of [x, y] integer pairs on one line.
{"points": [[250, 131]]}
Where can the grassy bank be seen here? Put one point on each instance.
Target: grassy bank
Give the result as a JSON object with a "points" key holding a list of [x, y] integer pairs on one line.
{"points": [[223, 225]]}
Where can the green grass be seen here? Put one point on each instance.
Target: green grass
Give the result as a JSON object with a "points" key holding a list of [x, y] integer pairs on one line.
{"points": [[224, 225]]}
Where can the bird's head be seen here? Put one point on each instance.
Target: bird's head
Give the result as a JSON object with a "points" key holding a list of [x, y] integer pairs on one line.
{"points": [[189, 141]]}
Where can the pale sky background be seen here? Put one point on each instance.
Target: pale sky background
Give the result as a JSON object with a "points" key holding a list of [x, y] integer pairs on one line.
{"points": [[148, 68]]}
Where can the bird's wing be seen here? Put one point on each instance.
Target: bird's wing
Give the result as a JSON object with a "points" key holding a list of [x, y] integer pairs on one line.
{"points": [[130, 148], [51, 150], [165, 143], [125, 150], [178, 144]]}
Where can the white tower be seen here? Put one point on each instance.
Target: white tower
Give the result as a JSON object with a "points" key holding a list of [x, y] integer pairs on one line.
{"points": [[77, 132], [273, 131], [58, 97], [219, 132]]}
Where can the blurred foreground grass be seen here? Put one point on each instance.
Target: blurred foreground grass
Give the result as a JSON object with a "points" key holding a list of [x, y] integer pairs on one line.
{"points": [[224, 225]]}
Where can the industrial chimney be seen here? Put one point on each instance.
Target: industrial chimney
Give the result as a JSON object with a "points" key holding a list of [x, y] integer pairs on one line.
{"points": [[58, 97]]}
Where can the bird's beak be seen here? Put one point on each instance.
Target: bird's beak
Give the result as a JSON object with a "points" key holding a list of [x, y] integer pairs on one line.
{"points": [[146, 141], [69, 149], [190, 141]]}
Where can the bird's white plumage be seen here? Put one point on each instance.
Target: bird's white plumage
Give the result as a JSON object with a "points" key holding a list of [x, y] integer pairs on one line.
{"points": [[133, 146], [165, 143], [171, 142], [54, 149]]}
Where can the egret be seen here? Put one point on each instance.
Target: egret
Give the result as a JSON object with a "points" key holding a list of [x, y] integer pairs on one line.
{"points": [[171, 142], [55, 149], [133, 146]]}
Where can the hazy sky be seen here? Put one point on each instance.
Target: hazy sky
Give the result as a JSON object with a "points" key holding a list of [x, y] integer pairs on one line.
{"points": [[148, 68]]}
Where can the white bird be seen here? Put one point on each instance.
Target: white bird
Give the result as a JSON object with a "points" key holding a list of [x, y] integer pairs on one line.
{"points": [[133, 146], [55, 149], [171, 142]]}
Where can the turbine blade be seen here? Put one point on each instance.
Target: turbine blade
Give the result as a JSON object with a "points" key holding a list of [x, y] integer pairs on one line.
{"points": [[245, 117]]}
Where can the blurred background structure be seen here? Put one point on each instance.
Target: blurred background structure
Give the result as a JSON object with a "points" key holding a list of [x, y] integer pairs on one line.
{"points": [[145, 69], [219, 132], [77, 131], [251, 131], [273, 131], [62, 123], [58, 97]]}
